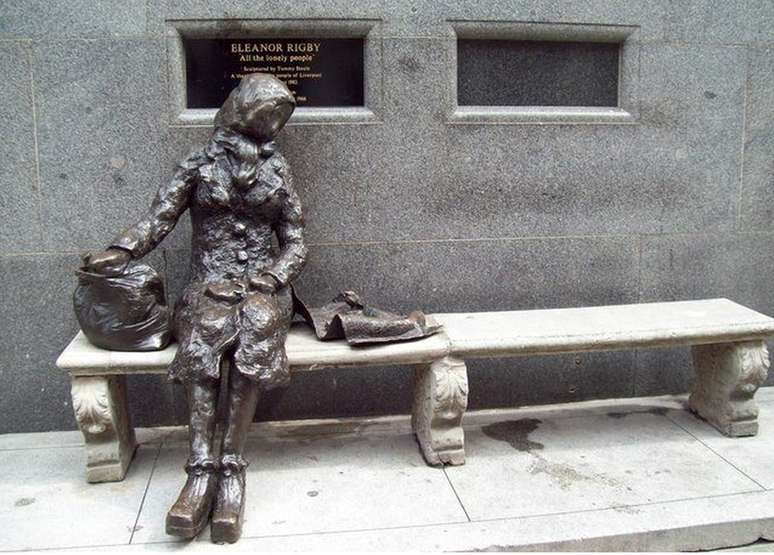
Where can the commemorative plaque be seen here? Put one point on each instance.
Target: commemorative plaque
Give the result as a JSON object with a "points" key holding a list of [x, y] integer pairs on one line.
{"points": [[318, 71]]}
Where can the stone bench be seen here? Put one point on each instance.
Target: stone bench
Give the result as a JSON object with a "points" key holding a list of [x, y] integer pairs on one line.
{"points": [[727, 341]]}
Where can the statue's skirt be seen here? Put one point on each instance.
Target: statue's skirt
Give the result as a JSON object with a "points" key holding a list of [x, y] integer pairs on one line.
{"points": [[250, 330]]}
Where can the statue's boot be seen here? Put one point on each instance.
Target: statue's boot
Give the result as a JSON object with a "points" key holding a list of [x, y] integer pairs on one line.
{"points": [[189, 515], [228, 515]]}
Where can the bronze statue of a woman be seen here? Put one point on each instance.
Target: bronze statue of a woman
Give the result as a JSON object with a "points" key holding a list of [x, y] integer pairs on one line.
{"points": [[237, 306]]}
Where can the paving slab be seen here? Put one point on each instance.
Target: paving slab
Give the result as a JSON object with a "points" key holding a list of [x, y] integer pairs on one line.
{"points": [[74, 438], [531, 466], [41, 440], [319, 484], [45, 501], [765, 395], [751, 455]]}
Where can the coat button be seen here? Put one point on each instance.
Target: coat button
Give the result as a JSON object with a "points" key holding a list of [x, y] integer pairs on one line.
{"points": [[242, 256], [239, 229]]}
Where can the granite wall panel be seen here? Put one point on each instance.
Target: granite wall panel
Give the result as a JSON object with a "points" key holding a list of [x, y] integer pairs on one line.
{"points": [[36, 304], [411, 208], [47, 19], [19, 188], [98, 111], [160, 11], [760, 22], [707, 21], [430, 18], [757, 202], [458, 276]]}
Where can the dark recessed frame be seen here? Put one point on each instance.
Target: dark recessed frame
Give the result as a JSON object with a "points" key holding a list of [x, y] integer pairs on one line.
{"points": [[537, 73], [198, 74], [321, 72], [522, 72]]}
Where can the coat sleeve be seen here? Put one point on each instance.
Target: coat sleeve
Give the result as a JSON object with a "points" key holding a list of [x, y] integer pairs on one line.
{"points": [[172, 199], [289, 230]]}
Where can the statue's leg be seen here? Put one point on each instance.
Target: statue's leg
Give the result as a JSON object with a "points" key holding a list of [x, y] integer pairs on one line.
{"points": [[230, 503], [189, 514]]}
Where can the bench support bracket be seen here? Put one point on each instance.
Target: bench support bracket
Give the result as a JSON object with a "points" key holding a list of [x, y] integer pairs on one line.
{"points": [[101, 411], [728, 375], [440, 400]]}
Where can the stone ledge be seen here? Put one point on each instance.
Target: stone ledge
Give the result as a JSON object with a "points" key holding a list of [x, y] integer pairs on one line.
{"points": [[691, 525]]}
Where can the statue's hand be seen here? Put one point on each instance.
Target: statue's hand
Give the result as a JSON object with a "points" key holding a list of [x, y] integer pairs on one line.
{"points": [[264, 284], [111, 262], [228, 291]]}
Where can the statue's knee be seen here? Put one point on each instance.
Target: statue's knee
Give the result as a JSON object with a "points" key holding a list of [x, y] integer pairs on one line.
{"points": [[261, 316]]}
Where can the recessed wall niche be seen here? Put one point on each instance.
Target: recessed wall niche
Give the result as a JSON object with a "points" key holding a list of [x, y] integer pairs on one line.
{"points": [[537, 73], [524, 72], [325, 63]]}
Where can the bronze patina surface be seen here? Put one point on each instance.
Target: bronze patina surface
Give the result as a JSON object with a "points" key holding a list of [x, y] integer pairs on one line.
{"points": [[124, 312], [348, 317], [233, 317]]}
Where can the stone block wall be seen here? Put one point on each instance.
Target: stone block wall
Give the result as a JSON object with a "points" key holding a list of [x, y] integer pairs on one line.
{"points": [[413, 206]]}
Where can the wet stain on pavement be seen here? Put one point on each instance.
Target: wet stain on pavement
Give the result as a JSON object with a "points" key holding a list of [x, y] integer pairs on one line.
{"points": [[565, 475], [515, 433]]}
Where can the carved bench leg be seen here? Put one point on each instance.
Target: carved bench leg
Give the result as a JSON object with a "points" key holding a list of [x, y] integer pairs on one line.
{"points": [[727, 377], [101, 411], [440, 400]]}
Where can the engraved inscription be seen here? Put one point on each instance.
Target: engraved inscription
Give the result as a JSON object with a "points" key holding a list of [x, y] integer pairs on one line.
{"points": [[319, 72]]}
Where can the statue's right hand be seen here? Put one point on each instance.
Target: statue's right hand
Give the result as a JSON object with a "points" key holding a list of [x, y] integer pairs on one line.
{"points": [[228, 291], [111, 262]]}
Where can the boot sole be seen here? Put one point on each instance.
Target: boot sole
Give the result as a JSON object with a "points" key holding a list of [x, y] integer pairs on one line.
{"points": [[189, 532], [227, 530]]}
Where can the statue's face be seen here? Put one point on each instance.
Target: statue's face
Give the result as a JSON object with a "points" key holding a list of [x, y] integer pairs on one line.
{"points": [[266, 118]]}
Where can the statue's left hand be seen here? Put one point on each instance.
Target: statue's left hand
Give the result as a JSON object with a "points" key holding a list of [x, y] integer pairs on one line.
{"points": [[263, 284], [111, 262]]}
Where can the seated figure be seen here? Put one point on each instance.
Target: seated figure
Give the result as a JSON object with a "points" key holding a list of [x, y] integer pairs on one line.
{"points": [[235, 311]]}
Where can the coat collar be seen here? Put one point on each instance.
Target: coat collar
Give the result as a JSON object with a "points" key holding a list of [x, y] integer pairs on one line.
{"points": [[243, 147]]}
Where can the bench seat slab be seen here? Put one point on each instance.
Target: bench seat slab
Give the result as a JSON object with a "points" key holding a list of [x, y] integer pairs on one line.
{"points": [[602, 328], [305, 353], [727, 377], [100, 408], [440, 400]]}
